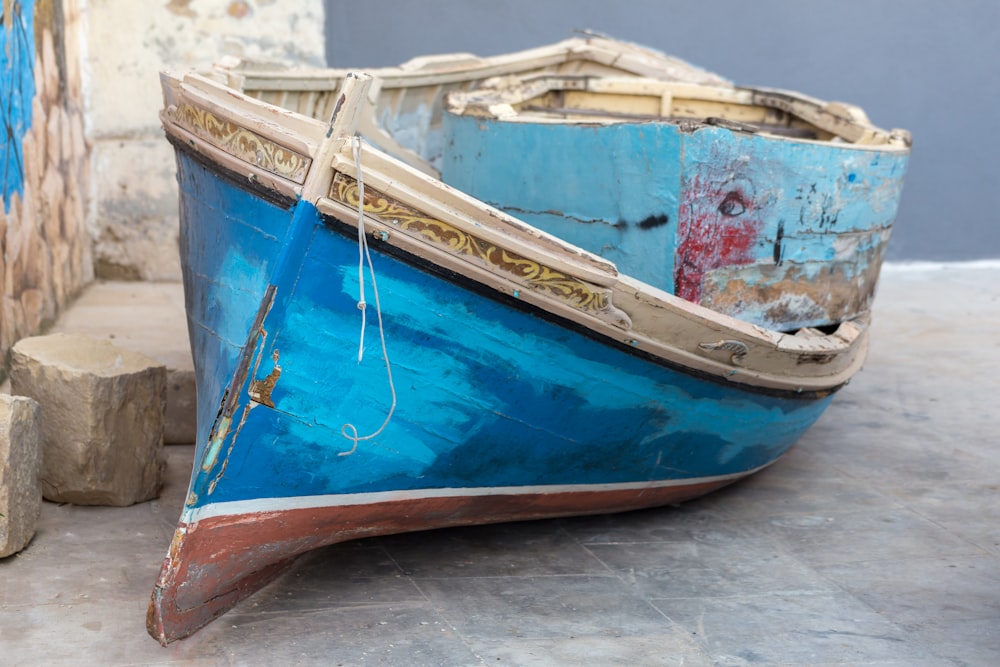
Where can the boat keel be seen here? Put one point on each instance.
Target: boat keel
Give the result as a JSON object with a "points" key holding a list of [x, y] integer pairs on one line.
{"points": [[215, 562]]}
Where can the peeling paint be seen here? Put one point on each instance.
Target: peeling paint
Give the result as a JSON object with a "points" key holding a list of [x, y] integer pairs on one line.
{"points": [[222, 431], [751, 224], [718, 227], [260, 390], [215, 443], [793, 295]]}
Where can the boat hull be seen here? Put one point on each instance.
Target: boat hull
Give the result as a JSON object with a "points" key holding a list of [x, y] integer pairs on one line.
{"points": [[217, 560], [779, 232], [490, 410]]}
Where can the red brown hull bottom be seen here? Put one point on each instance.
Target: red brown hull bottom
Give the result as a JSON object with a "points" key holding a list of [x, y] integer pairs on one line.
{"points": [[215, 562]]}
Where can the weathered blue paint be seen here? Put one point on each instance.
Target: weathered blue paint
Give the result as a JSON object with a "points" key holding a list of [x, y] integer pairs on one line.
{"points": [[489, 394], [17, 90], [689, 211], [612, 190], [225, 272]]}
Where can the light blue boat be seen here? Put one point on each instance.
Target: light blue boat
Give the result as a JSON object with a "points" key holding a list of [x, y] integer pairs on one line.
{"points": [[764, 205], [378, 352]]}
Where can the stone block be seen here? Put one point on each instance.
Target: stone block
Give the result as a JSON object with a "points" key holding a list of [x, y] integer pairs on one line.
{"points": [[149, 318], [20, 464], [102, 417]]}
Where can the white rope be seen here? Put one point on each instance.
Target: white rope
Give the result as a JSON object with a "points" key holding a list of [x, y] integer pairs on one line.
{"points": [[362, 243], [349, 431]]}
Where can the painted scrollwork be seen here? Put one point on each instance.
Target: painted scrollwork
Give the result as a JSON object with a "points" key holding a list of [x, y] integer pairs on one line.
{"points": [[243, 143], [566, 288]]}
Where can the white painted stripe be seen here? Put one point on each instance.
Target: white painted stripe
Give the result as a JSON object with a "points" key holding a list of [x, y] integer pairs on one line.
{"points": [[265, 505]]}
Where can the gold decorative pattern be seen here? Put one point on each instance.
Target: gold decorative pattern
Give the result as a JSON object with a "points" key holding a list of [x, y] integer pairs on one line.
{"points": [[522, 269], [242, 143]]}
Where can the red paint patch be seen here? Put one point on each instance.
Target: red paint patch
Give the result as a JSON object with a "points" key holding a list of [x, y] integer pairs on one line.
{"points": [[717, 228]]}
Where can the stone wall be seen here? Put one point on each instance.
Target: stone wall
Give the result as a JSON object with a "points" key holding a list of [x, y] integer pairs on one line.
{"points": [[44, 166], [87, 181], [134, 208]]}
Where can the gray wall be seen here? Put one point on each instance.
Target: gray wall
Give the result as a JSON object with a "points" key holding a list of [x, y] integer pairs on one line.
{"points": [[930, 67]]}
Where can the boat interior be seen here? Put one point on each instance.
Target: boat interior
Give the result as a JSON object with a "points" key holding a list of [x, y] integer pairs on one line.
{"points": [[606, 100]]}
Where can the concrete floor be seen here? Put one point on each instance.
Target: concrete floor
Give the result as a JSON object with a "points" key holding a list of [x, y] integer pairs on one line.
{"points": [[876, 541]]}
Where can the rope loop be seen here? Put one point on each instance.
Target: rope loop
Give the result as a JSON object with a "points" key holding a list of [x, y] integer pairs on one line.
{"points": [[349, 431]]}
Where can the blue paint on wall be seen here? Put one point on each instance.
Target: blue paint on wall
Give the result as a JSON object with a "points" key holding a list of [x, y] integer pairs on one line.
{"points": [[17, 89]]}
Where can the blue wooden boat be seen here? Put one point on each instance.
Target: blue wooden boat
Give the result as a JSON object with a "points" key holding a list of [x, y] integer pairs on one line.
{"points": [[378, 352], [766, 205]]}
